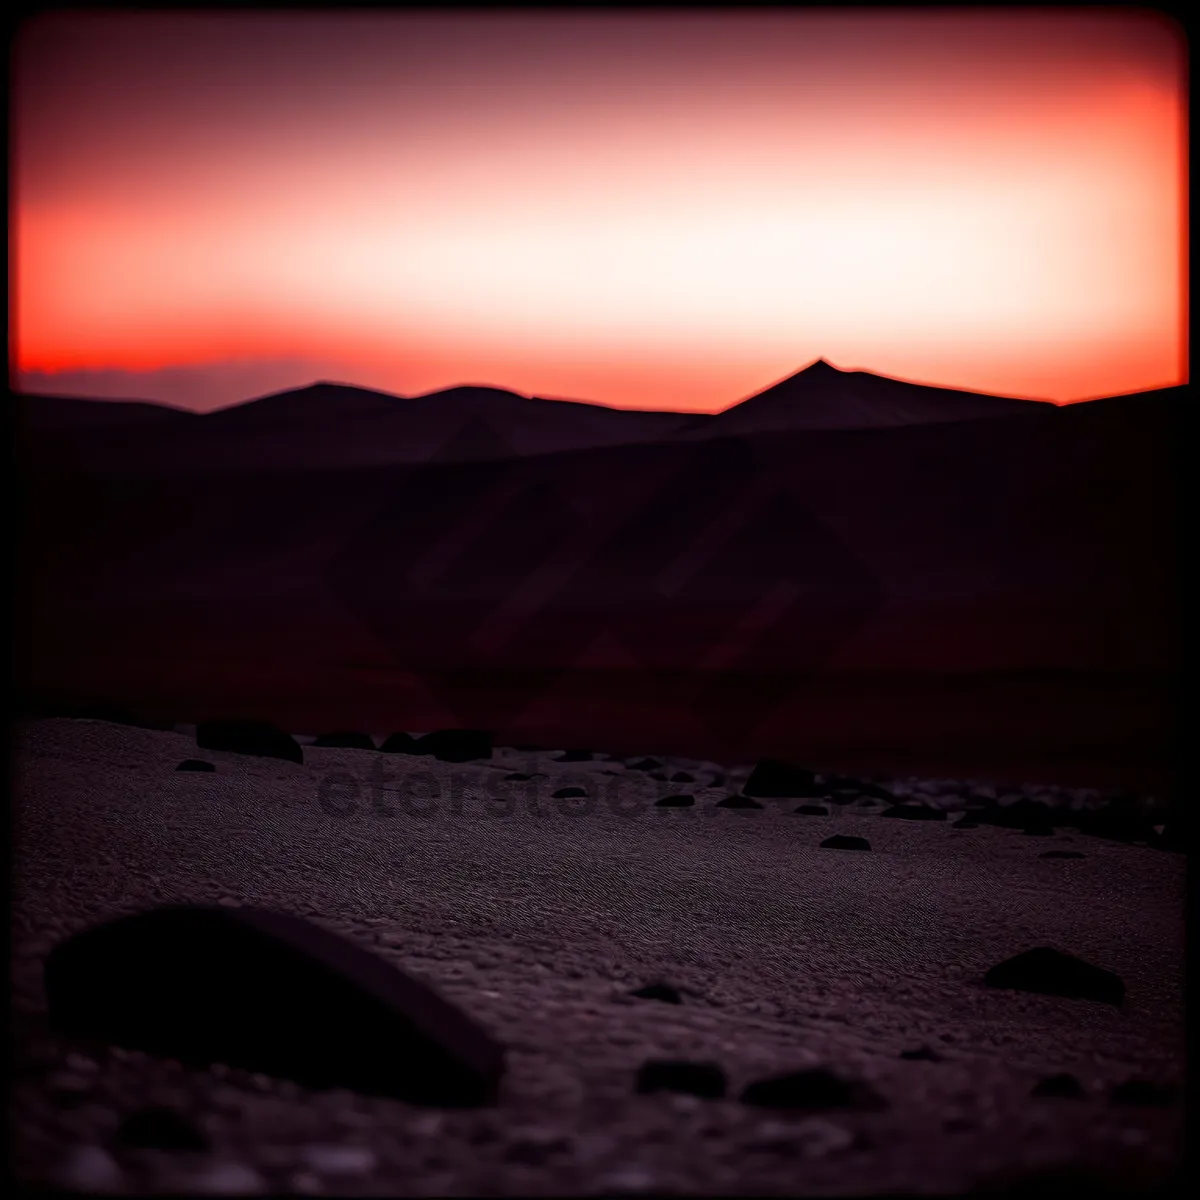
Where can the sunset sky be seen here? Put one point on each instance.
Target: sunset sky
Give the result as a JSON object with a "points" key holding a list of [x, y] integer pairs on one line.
{"points": [[653, 211]]}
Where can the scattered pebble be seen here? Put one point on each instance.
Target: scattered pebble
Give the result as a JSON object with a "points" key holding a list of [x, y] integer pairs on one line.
{"points": [[340, 1160], [89, 1169]]}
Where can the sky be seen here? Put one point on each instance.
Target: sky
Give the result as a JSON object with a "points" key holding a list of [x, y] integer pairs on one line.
{"points": [[663, 210]]}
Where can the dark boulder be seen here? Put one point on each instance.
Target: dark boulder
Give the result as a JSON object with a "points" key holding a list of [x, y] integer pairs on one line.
{"points": [[575, 756], [259, 738], [842, 841], [345, 740], [567, 793], [1143, 1093], [1053, 973], [195, 764], [158, 1128], [921, 1054], [1062, 1087], [645, 764], [456, 745], [814, 1089], [914, 812], [705, 1079], [812, 810], [675, 802], [737, 801], [400, 743], [682, 777], [659, 991], [772, 778], [268, 992]]}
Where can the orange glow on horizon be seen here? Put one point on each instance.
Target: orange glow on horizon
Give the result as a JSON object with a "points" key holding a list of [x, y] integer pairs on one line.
{"points": [[993, 201]]}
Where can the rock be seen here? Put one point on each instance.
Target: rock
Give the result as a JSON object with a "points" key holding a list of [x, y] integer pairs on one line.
{"points": [[1118, 824], [814, 1088], [705, 1079], [921, 1054], [518, 777], [259, 738], [1143, 1093], [456, 745], [1052, 973], [682, 777], [737, 801], [158, 1128], [675, 802], [1063, 1087], [914, 812], [221, 1179], [345, 740], [718, 780], [966, 823], [856, 788], [841, 841], [271, 993], [89, 1169], [1038, 831], [1061, 854], [627, 1181], [812, 810], [645, 764], [400, 743], [575, 756], [659, 991], [567, 792], [658, 775], [775, 779], [1020, 814], [340, 1160], [195, 764], [534, 1146]]}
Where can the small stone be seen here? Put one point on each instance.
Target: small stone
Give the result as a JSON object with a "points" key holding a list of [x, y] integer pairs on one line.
{"points": [[813, 1088], [659, 991], [921, 1054], [703, 1079], [841, 841], [1053, 973], [158, 1128], [738, 801], [195, 764], [89, 1169], [914, 812], [775, 779], [223, 1179], [675, 802], [567, 792], [627, 1181], [340, 1160], [1143, 1093], [682, 777], [1063, 1087]]}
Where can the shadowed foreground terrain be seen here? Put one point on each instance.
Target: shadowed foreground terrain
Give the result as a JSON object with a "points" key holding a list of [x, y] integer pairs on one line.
{"points": [[542, 921]]}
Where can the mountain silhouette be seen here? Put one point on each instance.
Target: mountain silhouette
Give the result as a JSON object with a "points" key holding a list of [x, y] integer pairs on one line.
{"points": [[823, 397]]}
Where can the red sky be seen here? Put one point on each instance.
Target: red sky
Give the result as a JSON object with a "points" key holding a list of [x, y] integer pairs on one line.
{"points": [[653, 211]]}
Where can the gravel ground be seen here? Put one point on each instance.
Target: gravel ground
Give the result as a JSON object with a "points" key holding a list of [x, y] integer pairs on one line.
{"points": [[539, 921]]}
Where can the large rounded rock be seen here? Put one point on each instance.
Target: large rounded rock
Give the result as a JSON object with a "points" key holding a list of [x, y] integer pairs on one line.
{"points": [[272, 993], [774, 779], [249, 737]]}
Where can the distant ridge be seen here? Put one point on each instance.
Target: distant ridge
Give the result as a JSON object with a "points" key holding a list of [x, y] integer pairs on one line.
{"points": [[823, 397]]}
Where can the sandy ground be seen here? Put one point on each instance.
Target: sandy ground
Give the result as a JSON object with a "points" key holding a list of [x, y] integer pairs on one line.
{"points": [[540, 921]]}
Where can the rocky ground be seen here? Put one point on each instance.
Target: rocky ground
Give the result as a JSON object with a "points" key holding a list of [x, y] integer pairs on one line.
{"points": [[542, 916]]}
